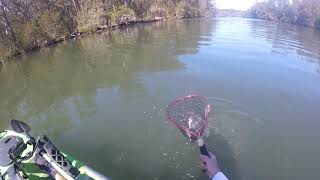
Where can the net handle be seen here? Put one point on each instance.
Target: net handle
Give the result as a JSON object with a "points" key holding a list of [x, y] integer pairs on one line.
{"points": [[203, 123]]}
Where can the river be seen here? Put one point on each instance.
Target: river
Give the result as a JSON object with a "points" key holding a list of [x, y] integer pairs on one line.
{"points": [[102, 98]]}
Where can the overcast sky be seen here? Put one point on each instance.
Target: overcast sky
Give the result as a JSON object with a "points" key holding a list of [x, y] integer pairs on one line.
{"points": [[234, 4]]}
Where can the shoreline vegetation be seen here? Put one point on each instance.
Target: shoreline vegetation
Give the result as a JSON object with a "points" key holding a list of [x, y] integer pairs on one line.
{"points": [[27, 25], [230, 13], [298, 12]]}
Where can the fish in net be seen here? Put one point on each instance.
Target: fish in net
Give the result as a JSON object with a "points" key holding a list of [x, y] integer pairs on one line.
{"points": [[189, 114]]}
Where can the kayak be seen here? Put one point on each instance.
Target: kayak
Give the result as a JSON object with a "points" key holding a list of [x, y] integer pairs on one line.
{"points": [[20, 155]]}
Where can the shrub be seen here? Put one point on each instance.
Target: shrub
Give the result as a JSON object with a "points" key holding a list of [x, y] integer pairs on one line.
{"points": [[121, 14], [28, 35], [51, 26], [88, 16]]}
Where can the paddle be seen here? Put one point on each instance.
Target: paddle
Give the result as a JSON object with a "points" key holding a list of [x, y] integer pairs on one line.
{"points": [[20, 127]]}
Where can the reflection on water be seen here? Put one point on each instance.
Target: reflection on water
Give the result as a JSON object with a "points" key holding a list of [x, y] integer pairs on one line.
{"points": [[291, 41], [102, 98], [286, 38]]}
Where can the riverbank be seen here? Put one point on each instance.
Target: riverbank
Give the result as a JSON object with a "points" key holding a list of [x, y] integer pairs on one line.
{"points": [[303, 12], [230, 13], [75, 35], [41, 23]]}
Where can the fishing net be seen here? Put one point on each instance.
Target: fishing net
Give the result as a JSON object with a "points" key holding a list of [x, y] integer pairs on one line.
{"points": [[189, 114]]}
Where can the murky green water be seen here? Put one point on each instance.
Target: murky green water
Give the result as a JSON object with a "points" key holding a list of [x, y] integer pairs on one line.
{"points": [[102, 98]]}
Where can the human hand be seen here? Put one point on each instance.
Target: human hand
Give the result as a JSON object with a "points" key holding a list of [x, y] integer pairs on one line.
{"points": [[48, 168], [58, 176], [210, 164]]}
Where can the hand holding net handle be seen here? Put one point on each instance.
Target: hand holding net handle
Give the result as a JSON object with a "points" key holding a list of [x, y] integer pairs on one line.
{"points": [[203, 148]]}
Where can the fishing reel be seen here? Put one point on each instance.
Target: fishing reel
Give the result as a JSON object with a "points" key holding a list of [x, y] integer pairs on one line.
{"points": [[19, 147], [24, 157], [17, 153], [15, 150]]}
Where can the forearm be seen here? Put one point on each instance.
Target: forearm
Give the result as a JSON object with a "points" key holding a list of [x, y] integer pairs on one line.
{"points": [[219, 176]]}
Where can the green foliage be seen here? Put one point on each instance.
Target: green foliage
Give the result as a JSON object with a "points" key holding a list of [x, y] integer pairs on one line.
{"points": [[303, 12]]}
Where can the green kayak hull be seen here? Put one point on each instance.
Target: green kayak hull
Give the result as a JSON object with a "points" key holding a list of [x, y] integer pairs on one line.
{"points": [[33, 170]]}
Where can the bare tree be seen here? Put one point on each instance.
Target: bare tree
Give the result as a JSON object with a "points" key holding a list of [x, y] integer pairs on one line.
{"points": [[3, 14]]}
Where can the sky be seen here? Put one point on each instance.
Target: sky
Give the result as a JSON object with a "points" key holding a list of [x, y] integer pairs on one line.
{"points": [[234, 4]]}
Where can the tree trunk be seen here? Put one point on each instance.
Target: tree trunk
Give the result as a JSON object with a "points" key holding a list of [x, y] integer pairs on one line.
{"points": [[75, 5], [4, 15]]}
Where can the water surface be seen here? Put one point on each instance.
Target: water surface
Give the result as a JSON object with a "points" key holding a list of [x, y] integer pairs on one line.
{"points": [[102, 98]]}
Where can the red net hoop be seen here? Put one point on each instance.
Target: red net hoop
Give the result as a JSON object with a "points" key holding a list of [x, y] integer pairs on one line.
{"points": [[189, 114]]}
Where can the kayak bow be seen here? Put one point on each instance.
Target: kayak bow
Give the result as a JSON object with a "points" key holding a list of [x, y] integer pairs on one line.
{"points": [[20, 153]]}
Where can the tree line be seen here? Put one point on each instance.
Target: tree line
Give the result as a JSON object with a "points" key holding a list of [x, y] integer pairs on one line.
{"points": [[30, 24], [301, 12]]}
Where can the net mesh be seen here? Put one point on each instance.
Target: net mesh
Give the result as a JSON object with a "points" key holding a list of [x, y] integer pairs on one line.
{"points": [[189, 114]]}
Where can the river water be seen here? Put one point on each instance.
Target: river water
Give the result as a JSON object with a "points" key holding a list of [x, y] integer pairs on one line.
{"points": [[102, 98]]}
